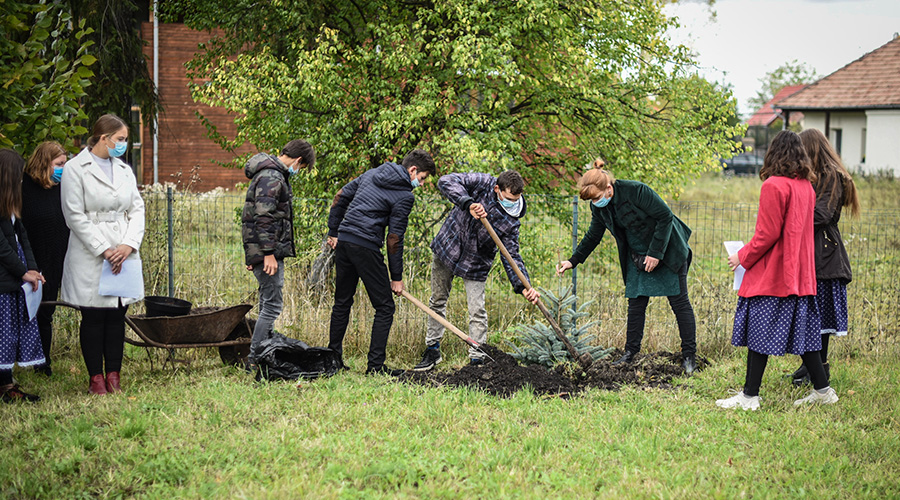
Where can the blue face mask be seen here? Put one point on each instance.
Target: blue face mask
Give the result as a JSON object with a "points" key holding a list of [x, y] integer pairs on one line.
{"points": [[507, 203], [57, 174], [119, 150], [602, 202], [415, 182]]}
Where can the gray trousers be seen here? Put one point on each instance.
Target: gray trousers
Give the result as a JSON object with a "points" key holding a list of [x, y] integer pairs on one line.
{"points": [[270, 304], [441, 282]]}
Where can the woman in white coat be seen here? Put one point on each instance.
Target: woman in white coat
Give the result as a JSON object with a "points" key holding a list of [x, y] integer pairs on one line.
{"points": [[105, 214]]}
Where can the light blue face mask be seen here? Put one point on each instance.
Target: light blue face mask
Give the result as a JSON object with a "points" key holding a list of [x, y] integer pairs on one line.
{"points": [[57, 174], [602, 202], [415, 182], [507, 203], [119, 150]]}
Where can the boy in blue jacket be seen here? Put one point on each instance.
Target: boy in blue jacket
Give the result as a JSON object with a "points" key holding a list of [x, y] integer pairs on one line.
{"points": [[378, 200], [464, 248]]}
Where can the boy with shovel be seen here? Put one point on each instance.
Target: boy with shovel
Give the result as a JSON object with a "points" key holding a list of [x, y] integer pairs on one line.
{"points": [[378, 200], [464, 248]]}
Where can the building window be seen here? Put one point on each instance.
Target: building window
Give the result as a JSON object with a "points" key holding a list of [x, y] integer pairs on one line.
{"points": [[836, 136]]}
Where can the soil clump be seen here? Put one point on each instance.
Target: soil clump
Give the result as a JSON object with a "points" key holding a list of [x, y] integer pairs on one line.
{"points": [[503, 376]]}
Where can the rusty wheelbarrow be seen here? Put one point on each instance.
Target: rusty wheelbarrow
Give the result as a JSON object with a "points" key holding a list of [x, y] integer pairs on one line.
{"points": [[224, 327]]}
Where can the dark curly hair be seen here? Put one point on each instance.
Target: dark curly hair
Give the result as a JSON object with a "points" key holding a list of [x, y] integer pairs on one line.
{"points": [[786, 157]]}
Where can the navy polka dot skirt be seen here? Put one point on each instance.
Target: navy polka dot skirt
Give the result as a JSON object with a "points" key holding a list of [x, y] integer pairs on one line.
{"points": [[20, 341], [831, 296], [777, 325]]}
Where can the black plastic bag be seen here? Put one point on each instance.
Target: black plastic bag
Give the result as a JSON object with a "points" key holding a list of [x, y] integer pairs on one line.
{"points": [[281, 357]]}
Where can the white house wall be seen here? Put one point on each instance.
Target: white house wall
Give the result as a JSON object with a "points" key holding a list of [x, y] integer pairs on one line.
{"points": [[851, 125], [883, 140]]}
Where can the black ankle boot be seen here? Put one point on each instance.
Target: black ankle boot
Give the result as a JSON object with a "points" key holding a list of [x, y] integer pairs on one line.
{"points": [[801, 376]]}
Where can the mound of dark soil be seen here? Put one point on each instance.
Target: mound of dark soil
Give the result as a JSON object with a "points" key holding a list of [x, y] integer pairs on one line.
{"points": [[503, 376]]}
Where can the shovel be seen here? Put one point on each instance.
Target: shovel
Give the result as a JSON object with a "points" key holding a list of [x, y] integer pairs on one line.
{"points": [[446, 324], [585, 359]]}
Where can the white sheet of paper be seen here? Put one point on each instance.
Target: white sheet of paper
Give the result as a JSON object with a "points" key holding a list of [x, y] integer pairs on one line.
{"points": [[33, 298], [732, 248], [129, 283]]}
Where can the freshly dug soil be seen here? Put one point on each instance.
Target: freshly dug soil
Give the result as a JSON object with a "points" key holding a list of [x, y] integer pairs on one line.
{"points": [[503, 376]]}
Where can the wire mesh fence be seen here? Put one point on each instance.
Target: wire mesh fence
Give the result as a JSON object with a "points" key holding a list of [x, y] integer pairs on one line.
{"points": [[192, 250]]}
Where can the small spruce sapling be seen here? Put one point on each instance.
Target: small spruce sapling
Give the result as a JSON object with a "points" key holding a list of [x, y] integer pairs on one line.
{"points": [[543, 347]]}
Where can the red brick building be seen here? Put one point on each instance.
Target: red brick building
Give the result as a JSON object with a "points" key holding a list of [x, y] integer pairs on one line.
{"points": [[186, 155]]}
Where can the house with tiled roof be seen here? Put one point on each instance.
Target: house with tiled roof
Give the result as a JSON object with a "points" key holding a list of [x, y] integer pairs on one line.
{"points": [[858, 109], [768, 114]]}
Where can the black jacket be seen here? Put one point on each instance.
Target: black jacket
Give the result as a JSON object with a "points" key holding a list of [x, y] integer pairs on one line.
{"points": [[47, 230], [11, 267], [832, 261], [377, 200]]}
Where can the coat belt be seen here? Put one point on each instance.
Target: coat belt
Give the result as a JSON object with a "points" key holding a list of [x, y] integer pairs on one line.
{"points": [[111, 216]]}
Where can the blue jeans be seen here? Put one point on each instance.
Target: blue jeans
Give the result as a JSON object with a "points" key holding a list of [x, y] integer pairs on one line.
{"points": [[270, 305]]}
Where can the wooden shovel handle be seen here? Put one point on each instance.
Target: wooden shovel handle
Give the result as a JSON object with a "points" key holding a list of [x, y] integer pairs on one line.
{"points": [[553, 324], [459, 333]]}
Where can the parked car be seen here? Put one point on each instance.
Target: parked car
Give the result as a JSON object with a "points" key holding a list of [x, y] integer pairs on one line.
{"points": [[742, 164]]}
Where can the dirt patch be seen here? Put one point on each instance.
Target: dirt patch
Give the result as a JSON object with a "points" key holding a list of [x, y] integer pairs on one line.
{"points": [[503, 376]]}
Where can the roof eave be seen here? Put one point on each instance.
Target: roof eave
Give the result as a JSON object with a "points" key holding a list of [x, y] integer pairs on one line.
{"points": [[838, 108]]}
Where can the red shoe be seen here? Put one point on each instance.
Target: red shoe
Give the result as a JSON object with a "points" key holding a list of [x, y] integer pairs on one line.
{"points": [[112, 382], [98, 385]]}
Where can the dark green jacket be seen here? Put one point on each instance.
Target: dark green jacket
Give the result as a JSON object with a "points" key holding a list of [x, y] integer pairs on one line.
{"points": [[642, 223], [267, 221]]}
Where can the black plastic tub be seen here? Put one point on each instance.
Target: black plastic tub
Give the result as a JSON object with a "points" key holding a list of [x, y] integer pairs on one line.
{"points": [[166, 306]]}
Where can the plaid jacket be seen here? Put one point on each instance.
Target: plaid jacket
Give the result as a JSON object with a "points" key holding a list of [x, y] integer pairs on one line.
{"points": [[463, 244]]}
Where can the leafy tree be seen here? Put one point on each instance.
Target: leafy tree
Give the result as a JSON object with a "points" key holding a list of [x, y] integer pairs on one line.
{"points": [[44, 70], [540, 86], [789, 73], [122, 78]]}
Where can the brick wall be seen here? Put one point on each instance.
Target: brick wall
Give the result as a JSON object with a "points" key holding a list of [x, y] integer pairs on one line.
{"points": [[186, 154]]}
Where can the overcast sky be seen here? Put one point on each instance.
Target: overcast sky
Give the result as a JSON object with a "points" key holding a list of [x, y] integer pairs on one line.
{"points": [[748, 38]]}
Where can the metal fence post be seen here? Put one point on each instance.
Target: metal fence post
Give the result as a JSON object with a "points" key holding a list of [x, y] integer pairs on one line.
{"points": [[170, 198], [574, 246]]}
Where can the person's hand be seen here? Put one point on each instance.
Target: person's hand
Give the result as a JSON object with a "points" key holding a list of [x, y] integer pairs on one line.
{"points": [[34, 278], [332, 242], [532, 295], [397, 287], [733, 261], [563, 267], [270, 265], [650, 263], [249, 267], [477, 210]]}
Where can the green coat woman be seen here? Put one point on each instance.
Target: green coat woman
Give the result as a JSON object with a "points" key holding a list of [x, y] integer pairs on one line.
{"points": [[653, 253]]}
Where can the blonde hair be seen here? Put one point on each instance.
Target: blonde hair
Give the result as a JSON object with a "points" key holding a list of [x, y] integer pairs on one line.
{"points": [[38, 166], [595, 181]]}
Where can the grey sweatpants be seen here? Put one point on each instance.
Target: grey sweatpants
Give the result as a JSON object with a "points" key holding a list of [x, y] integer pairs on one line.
{"points": [[441, 282]]}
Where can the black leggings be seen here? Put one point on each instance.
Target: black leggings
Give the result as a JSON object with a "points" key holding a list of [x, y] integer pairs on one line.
{"points": [[681, 306], [756, 366], [102, 338]]}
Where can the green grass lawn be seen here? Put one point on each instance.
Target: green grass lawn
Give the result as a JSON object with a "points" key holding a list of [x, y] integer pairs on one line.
{"points": [[210, 431]]}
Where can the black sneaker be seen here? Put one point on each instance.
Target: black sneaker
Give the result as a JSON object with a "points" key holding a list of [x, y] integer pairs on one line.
{"points": [[383, 370], [15, 394], [626, 358], [476, 362], [44, 370], [429, 360]]}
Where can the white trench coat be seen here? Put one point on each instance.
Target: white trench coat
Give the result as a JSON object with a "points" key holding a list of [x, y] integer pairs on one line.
{"points": [[100, 215]]}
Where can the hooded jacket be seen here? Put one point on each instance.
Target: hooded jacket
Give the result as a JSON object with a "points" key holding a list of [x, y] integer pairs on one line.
{"points": [[267, 222], [463, 244], [378, 200]]}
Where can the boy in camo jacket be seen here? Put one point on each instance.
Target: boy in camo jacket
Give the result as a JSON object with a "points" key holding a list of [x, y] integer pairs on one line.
{"points": [[267, 229]]}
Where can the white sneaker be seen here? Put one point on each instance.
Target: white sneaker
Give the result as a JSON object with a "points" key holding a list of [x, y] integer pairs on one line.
{"points": [[739, 400], [829, 397]]}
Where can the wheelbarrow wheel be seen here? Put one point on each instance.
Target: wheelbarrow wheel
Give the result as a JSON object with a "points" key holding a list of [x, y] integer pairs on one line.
{"points": [[236, 355]]}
